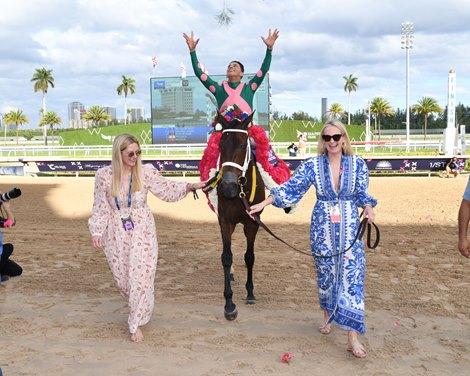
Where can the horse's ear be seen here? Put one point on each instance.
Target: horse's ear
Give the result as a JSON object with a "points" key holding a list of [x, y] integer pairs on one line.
{"points": [[221, 120], [247, 121]]}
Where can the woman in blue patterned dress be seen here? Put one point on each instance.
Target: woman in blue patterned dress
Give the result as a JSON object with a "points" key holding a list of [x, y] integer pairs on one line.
{"points": [[340, 179]]}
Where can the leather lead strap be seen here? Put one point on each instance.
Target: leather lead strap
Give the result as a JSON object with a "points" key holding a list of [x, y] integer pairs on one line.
{"points": [[363, 228]]}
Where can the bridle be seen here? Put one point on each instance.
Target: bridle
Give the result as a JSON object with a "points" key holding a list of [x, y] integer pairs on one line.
{"points": [[246, 162], [242, 180]]}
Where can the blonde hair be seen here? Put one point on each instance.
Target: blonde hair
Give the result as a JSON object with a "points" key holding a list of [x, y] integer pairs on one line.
{"points": [[120, 143], [321, 148]]}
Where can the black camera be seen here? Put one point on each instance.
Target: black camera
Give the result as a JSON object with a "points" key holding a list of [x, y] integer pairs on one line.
{"points": [[7, 196]]}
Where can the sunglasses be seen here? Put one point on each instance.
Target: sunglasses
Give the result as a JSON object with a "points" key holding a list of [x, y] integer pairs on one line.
{"points": [[335, 137], [134, 153]]}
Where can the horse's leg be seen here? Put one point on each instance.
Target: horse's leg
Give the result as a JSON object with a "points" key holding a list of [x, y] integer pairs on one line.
{"points": [[227, 228], [250, 229]]}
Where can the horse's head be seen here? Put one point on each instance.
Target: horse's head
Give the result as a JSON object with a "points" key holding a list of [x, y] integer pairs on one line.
{"points": [[235, 153]]}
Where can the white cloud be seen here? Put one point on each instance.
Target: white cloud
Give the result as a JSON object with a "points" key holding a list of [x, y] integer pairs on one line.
{"points": [[90, 44]]}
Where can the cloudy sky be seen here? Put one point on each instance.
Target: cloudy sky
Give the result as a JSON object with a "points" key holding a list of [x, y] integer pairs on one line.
{"points": [[90, 44]]}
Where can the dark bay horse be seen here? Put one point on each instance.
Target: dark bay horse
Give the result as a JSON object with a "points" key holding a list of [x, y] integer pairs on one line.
{"points": [[239, 185]]}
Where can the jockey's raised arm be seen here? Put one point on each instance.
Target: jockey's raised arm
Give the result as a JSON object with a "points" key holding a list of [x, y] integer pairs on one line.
{"points": [[243, 96]]}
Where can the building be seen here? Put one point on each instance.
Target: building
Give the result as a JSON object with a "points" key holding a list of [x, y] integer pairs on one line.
{"points": [[178, 100], [111, 111], [136, 114], [76, 112]]}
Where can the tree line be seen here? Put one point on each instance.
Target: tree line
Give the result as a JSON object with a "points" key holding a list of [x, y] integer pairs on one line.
{"points": [[396, 120], [425, 114], [43, 80]]}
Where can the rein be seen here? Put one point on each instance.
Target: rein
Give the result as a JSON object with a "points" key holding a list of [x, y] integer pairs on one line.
{"points": [[363, 228], [214, 181]]}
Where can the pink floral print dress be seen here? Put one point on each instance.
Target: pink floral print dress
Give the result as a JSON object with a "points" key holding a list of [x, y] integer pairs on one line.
{"points": [[132, 255]]}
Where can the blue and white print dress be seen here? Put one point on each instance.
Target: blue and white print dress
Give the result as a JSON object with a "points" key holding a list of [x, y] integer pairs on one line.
{"points": [[341, 277]]}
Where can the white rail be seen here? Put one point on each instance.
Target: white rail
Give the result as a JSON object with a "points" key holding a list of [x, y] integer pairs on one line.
{"points": [[196, 150]]}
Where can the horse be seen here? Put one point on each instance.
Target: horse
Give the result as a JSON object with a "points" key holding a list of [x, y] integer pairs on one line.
{"points": [[239, 185]]}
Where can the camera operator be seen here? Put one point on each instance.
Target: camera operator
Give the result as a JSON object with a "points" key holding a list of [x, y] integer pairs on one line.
{"points": [[8, 268]]}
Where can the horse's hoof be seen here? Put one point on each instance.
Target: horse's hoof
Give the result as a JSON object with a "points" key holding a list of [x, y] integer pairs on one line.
{"points": [[250, 300], [230, 316]]}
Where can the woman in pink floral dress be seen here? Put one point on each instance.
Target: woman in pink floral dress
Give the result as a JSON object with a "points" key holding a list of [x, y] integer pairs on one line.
{"points": [[123, 225]]}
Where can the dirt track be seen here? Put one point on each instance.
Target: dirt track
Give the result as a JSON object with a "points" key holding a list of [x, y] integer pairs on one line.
{"points": [[65, 317]]}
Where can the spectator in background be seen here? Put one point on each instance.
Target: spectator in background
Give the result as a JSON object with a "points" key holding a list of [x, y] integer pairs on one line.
{"points": [[452, 168], [302, 144], [292, 150]]}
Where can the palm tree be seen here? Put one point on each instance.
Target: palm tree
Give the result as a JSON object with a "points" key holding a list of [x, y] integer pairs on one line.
{"points": [[96, 114], [127, 86], [16, 117], [335, 111], [52, 119], [380, 106], [350, 85], [42, 78], [426, 106]]}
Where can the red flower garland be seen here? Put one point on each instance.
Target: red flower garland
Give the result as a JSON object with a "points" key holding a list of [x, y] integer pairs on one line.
{"points": [[209, 160], [280, 173], [210, 156]]}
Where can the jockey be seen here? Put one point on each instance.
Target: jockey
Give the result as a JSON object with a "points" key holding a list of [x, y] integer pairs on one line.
{"points": [[234, 94]]}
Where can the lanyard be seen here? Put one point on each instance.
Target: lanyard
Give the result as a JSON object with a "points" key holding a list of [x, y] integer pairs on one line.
{"points": [[128, 196]]}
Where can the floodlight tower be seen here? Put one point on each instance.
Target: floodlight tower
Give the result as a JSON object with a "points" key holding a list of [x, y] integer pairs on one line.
{"points": [[407, 44]]}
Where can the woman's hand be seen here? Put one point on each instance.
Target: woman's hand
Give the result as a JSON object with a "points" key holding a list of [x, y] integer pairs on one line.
{"points": [[259, 207], [202, 184], [196, 186], [369, 213], [271, 38], [464, 247], [96, 241], [190, 41]]}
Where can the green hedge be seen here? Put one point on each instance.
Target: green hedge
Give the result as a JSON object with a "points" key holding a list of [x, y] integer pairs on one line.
{"points": [[280, 131], [104, 135]]}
